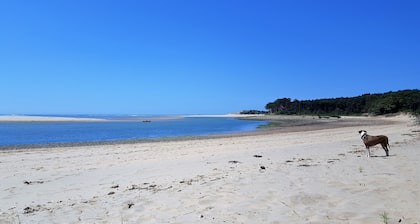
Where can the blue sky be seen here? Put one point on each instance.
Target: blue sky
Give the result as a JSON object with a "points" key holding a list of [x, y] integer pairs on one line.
{"points": [[200, 57]]}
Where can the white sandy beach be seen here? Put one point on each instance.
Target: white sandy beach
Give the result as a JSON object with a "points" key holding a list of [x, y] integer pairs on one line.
{"points": [[317, 176], [23, 118], [31, 118], [26, 118]]}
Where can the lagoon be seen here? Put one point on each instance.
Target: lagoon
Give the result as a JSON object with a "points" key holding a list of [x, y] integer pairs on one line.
{"points": [[19, 133]]}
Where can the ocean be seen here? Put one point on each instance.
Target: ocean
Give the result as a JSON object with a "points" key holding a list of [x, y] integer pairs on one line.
{"points": [[18, 133]]}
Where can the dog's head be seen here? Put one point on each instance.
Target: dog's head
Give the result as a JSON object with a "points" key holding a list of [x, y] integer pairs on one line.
{"points": [[362, 133]]}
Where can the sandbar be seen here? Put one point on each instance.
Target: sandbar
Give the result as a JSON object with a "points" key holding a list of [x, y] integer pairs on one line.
{"points": [[25, 118]]}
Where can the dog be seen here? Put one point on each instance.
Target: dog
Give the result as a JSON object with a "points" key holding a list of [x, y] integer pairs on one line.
{"points": [[370, 140]]}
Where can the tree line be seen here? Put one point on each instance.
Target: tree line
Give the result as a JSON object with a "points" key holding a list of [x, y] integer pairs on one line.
{"points": [[376, 104]]}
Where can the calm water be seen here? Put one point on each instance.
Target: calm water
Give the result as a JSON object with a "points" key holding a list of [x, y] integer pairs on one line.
{"points": [[13, 133]]}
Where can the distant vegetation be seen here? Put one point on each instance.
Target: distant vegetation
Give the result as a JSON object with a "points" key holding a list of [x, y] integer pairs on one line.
{"points": [[253, 112], [376, 104]]}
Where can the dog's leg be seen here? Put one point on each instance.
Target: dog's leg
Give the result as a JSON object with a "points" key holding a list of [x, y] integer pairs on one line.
{"points": [[367, 152], [384, 146]]}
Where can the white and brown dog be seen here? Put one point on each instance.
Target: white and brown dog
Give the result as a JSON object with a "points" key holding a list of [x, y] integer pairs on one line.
{"points": [[370, 140]]}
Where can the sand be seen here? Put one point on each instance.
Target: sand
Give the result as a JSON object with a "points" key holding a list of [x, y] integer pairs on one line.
{"points": [[305, 176], [22, 118]]}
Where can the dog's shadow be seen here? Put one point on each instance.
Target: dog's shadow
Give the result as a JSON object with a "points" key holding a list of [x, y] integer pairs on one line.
{"points": [[384, 157]]}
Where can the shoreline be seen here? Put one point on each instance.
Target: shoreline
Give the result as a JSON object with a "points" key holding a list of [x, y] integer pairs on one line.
{"points": [[109, 118], [288, 124], [308, 175], [35, 118]]}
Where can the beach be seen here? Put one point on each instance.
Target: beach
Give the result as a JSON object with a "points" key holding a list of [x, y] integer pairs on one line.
{"points": [[24, 118], [313, 173]]}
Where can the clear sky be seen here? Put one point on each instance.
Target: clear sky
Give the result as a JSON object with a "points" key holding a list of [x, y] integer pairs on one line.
{"points": [[200, 56]]}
